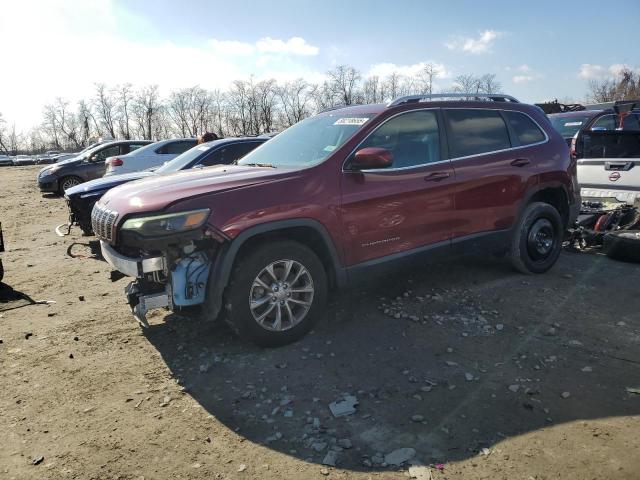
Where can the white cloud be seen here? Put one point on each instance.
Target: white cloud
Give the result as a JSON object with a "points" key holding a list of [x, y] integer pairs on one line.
{"points": [[482, 44], [524, 68], [232, 47], [522, 78], [93, 36], [293, 46], [385, 69], [590, 71], [267, 45]]}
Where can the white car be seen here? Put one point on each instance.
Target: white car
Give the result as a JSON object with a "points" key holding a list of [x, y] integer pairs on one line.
{"points": [[149, 156], [609, 159]]}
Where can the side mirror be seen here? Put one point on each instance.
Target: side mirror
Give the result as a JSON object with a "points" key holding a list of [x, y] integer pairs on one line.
{"points": [[372, 158]]}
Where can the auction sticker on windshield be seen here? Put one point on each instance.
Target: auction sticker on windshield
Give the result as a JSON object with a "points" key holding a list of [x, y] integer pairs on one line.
{"points": [[351, 121], [573, 124]]}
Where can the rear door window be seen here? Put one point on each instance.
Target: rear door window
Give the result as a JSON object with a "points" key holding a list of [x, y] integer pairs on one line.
{"points": [[525, 129], [475, 131], [107, 152], [176, 148]]}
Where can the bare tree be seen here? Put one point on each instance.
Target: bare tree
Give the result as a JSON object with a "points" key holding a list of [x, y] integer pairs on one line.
{"points": [[105, 106], [4, 141], [466, 83], [625, 85], [266, 96], [426, 77], [294, 98], [392, 85], [124, 95], [147, 111], [489, 84], [344, 81], [373, 90]]}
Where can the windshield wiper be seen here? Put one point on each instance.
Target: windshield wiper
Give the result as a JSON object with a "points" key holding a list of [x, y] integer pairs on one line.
{"points": [[267, 165]]}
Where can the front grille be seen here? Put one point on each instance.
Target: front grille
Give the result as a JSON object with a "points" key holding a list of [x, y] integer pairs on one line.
{"points": [[102, 222]]}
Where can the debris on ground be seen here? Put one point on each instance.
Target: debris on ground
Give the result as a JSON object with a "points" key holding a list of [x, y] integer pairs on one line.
{"points": [[420, 472], [330, 458], [344, 406], [399, 456], [38, 460], [635, 390]]}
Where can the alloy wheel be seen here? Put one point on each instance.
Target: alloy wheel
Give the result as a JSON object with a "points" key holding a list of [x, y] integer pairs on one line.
{"points": [[281, 295]]}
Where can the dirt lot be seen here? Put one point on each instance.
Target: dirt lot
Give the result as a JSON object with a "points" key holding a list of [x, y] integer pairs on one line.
{"points": [[482, 372]]}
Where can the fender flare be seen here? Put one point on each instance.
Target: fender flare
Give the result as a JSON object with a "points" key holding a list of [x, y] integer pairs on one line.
{"points": [[225, 258], [573, 208]]}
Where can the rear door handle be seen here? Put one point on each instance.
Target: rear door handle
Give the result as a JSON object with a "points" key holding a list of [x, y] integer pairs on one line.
{"points": [[436, 176], [520, 162]]}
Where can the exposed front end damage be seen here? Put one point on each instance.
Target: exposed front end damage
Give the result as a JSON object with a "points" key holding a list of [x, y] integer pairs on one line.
{"points": [[171, 273]]}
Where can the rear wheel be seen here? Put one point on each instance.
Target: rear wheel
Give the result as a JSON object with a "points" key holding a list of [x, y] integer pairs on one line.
{"points": [[67, 182], [276, 293], [537, 239]]}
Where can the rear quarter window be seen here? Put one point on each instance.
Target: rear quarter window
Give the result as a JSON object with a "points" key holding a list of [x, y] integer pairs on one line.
{"points": [[524, 128], [475, 131]]}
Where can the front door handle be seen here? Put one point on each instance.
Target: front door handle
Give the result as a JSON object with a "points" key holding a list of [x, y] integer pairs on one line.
{"points": [[520, 162], [436, 176]]}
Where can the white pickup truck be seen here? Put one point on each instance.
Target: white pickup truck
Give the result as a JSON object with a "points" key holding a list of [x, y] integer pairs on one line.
{"points": [[608, 156]]}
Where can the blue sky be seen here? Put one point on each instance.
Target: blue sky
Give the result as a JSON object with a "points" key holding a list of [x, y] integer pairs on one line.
{"points": [[538, 50]]}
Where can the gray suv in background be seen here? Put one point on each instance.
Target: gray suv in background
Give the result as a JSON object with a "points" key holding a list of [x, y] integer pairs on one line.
{"points": [[60, 176]]}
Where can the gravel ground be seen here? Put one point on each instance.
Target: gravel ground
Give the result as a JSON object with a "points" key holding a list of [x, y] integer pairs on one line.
{"points": [[464, 370]]}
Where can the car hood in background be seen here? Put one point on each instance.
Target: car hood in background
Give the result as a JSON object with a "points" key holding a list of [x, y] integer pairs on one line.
{"points": [[58, 165], [106, 183], [153, 194]]}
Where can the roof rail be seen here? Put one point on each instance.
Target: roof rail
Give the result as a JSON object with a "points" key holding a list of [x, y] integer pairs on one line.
{"points": [[495, 97]]}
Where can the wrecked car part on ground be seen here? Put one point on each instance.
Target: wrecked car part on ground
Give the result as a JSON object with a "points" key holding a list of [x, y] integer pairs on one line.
{"points": [[597, 219]]}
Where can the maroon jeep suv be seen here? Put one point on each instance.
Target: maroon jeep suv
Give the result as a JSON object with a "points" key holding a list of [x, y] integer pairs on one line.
{"points": [[338, 196]]}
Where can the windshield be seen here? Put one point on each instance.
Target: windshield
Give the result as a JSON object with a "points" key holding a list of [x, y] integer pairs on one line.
{"points": [[307, 143], [568, 126], [184, 159]]}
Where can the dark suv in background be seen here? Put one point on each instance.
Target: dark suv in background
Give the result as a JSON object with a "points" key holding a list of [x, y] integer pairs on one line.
{"points": [[86, 166], [337, 197], [81, 198]]}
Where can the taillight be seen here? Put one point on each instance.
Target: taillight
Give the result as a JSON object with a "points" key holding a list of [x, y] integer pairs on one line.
{"points": [[572, 149], [115, 162]]}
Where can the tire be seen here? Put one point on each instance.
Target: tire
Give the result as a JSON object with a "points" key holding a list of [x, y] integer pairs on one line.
{"points": [[623, 245], [537, 239], [299, 311], [68, 182]]}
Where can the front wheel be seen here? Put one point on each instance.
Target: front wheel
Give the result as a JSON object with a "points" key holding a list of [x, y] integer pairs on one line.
{"points": [[276, 293], [537, 239], [67, 182]]}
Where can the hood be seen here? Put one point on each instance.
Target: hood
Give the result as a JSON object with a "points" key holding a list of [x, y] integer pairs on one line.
{"points": [[60, 164], [154, 194], [106, 183]]}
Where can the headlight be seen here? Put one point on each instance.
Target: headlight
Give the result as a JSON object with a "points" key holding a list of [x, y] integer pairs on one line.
{"points": [[158, 225]]}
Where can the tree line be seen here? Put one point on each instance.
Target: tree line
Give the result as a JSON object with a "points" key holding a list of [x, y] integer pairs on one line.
{"points": [[247, 107], [623, 86]]}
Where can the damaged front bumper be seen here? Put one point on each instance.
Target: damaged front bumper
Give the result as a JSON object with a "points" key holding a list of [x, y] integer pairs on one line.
{"points": [[161, 282]]}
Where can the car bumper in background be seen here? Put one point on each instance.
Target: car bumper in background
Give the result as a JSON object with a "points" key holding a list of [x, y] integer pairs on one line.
{"points": [[627, 196], [48, 184]]}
